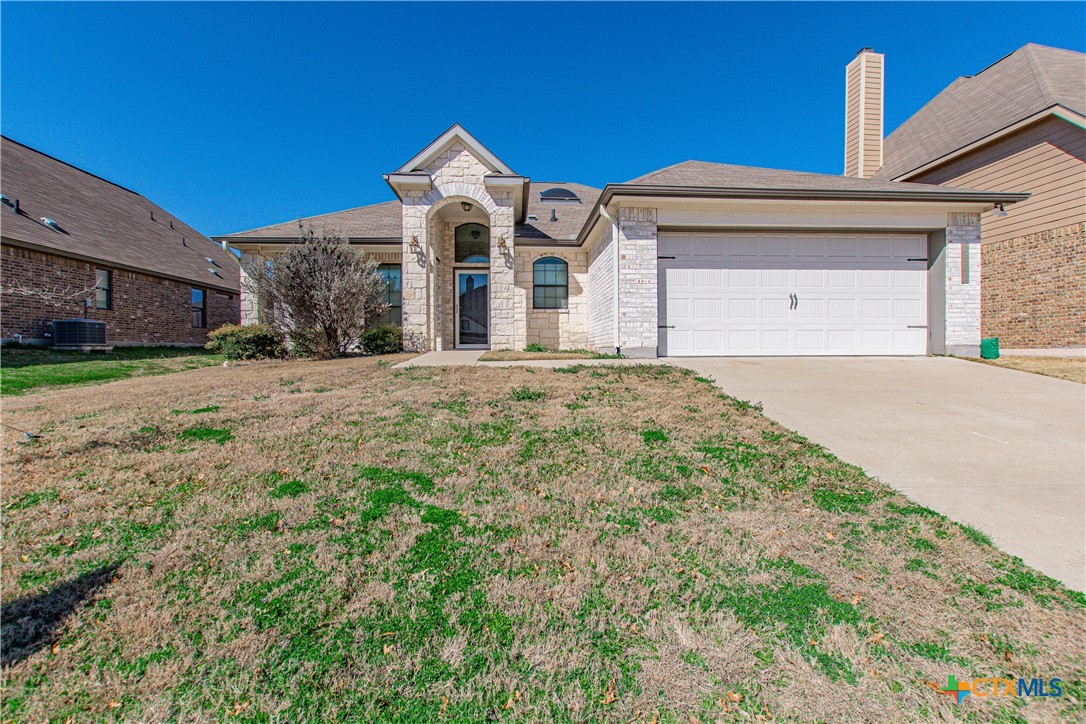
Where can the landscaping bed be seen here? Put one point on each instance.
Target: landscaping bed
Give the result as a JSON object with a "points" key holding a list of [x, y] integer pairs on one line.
{"points": [[341, 540]]}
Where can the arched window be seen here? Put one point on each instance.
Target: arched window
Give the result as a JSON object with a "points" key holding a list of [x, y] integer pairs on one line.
{"points": [[550, 278], [472, 244]]}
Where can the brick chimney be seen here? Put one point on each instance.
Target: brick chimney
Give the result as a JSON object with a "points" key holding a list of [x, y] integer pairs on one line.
{"points": [[863, 114]]}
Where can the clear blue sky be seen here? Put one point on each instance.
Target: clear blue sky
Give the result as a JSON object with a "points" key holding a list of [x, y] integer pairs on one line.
{"points": [[237, 115]]}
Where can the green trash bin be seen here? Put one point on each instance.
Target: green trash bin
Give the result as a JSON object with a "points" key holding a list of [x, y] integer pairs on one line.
{"points": [[989, 348]]}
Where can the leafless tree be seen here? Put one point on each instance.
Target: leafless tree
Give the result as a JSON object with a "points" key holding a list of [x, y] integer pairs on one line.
{"points": [[320, 289], [55, 295]]}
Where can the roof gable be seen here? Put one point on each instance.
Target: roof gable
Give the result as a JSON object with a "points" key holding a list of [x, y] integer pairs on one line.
{"points": [[103, 222], [455, 134], [1029, 81]]}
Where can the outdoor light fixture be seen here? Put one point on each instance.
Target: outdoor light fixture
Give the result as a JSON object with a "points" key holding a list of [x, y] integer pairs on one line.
{"points": [[466, 206], [502, 246], [999, 212], [414, 245]]}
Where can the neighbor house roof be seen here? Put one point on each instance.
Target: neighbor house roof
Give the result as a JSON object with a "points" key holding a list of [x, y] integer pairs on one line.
{"points": [[1032, 79], [383, 222], [102, 222]]}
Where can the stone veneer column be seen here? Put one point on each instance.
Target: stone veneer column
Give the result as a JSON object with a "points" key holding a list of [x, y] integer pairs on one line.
{"points": [[251, 312], [637, 295], [508, 325], [415, 277], [963, 284]]}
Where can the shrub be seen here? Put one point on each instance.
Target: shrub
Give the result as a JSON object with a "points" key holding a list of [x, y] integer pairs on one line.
{"points": [[254, 341], [535, 347], [385, 339], [322, 284]]}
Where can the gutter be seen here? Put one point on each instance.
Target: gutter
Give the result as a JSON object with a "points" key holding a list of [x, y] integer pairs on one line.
{"points": [[703, 192]]}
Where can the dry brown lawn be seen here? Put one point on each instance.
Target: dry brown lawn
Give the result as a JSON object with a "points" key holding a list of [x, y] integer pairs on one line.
{"points": [[1065, 368], [343, 541], [508, 355]]}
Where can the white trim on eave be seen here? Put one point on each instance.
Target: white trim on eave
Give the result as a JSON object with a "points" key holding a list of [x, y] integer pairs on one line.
{"points": [[428, 154], [1061, 112]]}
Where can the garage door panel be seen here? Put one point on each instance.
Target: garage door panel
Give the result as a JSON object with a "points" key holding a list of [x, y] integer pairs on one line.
{"points": [[774, 294]]}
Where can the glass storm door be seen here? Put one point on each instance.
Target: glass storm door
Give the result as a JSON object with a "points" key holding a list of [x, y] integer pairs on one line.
{"points": [[472, 309]]}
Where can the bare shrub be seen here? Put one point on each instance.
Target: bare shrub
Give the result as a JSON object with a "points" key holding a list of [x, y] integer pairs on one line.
{"points": [[321, 292]]}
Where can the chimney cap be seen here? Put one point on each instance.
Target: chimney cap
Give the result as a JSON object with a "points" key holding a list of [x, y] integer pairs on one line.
{"points": [[865, 49]]}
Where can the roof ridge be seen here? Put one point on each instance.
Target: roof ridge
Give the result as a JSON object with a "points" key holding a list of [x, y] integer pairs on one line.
{"points": [[81, 170], [650, 174]]}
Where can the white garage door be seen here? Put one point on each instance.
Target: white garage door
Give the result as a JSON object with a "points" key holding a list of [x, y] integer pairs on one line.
{"points": [[792, 294]]}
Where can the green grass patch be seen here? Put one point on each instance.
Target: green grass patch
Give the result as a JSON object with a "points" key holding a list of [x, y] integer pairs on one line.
{"points": [[25, 369], [199, 433]]}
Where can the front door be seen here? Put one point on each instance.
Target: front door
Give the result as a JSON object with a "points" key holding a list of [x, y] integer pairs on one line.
{"points": [[472, 309]]}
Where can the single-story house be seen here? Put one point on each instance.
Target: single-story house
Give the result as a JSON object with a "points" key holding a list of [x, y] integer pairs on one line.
{"points": [[75, 245], [698, 258], [1018, 124]]}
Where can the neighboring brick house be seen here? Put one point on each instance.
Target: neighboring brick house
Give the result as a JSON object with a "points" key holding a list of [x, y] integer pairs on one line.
{"points": [[1018, 125], [63, 230], [694, 259]]}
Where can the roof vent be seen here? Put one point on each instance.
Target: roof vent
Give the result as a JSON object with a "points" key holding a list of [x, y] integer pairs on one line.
{"points": [[51, 223], [554, 215], [171, 223], [152, 215], [215, 272], [532, 217], [211, 261], [5, 200]]}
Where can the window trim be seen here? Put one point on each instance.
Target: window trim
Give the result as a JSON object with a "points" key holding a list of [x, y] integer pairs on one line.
{"points": [[456, 232], [108, 288], [201, 307], [384, 318], [537, 286]]}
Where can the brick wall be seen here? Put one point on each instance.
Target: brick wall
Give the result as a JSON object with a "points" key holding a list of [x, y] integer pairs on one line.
{"points": [[601, 294], [146, 309], [1034, 292]]}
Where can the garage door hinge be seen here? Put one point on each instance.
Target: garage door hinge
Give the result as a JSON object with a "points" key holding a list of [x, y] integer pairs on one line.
{"points": [[665, 257], [917, 259]]}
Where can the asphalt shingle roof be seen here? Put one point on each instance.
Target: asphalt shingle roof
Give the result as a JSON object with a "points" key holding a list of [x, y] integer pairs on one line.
{"points": [[1024, 83], [384, 220], [705, 174], [102, 221]]}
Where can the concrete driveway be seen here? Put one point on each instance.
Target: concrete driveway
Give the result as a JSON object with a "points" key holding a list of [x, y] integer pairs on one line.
{"points": [[1001, 450]]}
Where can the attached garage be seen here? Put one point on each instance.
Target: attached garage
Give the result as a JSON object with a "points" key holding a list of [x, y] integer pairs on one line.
{"points": [[792, 293]]}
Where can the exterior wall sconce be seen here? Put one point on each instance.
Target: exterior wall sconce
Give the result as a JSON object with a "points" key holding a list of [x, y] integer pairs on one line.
{"points": [[414, 245], [998, 211], [466, 206], [502, 245]]}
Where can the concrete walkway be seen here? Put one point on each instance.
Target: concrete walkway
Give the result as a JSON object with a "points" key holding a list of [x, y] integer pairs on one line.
{"points": [[470, 358], [998, 449]]}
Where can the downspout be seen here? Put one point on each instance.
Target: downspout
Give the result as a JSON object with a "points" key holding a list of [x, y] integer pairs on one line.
{"points": [[615, 278]]}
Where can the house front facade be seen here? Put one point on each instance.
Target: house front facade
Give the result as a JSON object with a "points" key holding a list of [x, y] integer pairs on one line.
{"points": [[696, 259]]}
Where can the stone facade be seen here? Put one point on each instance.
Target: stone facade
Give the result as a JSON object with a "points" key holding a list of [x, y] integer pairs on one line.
{"points": [[146, 309], [428, 267], [556, 328], [1034, 291], [963, 284], [637, 293]]}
